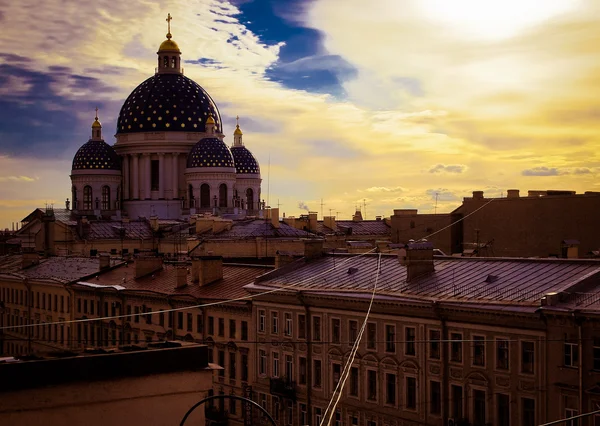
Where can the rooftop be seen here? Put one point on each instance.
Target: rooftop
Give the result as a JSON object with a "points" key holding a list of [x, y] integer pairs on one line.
{"points": [[252, 228], [364, 227], [465, 280], [59, 268]]}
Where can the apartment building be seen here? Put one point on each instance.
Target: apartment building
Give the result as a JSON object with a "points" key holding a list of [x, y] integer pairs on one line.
{"points": [[447, 341]]}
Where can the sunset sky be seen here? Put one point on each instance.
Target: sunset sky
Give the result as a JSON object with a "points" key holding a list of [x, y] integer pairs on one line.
{"points": [[388, 101]]}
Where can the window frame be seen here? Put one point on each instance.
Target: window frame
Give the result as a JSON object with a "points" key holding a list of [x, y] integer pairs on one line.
{"points": [[497, 351], [522, 352], [390, 338], [478, 341], [459, 342]]}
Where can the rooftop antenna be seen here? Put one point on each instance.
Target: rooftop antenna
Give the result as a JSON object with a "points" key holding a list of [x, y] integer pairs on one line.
{"points": [[365, 207], [435, 208], [330, 210], [269, 180], [322, 204]]}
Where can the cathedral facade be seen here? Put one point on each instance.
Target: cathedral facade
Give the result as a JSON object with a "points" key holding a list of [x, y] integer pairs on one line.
{"points": [[169, 159]]}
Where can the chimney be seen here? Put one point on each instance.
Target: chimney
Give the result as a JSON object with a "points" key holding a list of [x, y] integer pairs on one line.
{"points": [[313, 248], [207, 269], [550, 299], [282, 258], [181, 276], [329, 221], [104, 261], [512, 193], [357, 216], [30, 258], [312, 221], [418, 259], [478, 195], [534, 193], [145, 265], [275, 218], [154, 223]]}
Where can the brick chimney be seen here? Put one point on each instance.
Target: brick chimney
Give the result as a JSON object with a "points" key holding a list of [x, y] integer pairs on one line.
{"points": [[512, 193], [312, 221], [207, 269], [181, 273], [329, 221], [313, 248], [478, 195], [274, 213], [30, 258], [145, 265], [418, 259], [104, 261]]}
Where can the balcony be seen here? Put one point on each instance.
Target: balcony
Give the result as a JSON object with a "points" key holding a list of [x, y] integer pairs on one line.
{"points": [[216, 417], [283, 387]]}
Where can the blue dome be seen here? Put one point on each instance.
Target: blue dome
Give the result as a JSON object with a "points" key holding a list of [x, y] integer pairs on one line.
{"points": [[245, 163], [210, 152], [96, 155], [167, 102]]}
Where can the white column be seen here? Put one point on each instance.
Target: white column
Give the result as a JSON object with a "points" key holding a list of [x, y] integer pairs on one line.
{"points": [[161, 176], [175, 178], [126, 180], [136, 177], [147, 180]]}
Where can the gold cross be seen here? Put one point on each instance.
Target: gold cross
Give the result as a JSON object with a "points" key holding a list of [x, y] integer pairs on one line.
{"points": [[237, 120], [96, 113], [169, 24]]}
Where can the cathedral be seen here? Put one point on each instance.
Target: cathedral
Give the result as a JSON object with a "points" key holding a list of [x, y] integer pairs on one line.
{"points": [[169, 159]]}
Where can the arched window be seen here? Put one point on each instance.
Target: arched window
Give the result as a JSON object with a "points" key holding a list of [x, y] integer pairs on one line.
{"points": [[249, 199], [205, 196], [74, 196], [87, 197], [173, 61], [223, 195], [166, 62], [191, 195], [105, 198]]}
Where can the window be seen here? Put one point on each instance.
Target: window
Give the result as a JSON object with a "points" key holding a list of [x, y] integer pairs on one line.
{"points": [[199, 323], [275, 371], [371, 335], [456, 347], [527, 357], [318, 416], [352, 331], [289, 367], [570, 412], [596, 352], [502, 354], [434, 344], [354, 420], [105, 197], [262, 362], [232, 406], [372, 385], [221, 362], [316, 329], [232, 329], [338, 418], [136, 311], [161, 319], [288, 324], [435, 398], [232, 365], [244, 330], [337, 372], [390, 389], [262, 319], [154, 176], [479, 351], [302, 371], [390, 338], [411, 393], [479, 407], [527, 412], [276, 407], [211, 326], [301, 326], [180, 320], [87, 197], [335, 331], [456, 393], [223, 195], [409, 345], [503, 410], [353, 381], [190, 321], [221, 327], [571, 354], [274, 323], [244, 376], [303, 414], [317, 373]]}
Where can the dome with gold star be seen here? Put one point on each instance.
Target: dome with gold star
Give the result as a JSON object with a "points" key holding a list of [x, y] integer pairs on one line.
{"points": [[210, 152]]}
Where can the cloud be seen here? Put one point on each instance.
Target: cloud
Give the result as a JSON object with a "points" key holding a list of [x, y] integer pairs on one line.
{"points": [[582, 171], [442, 194], [17, 179], [385, 189], [450, 168], [541, 171]]}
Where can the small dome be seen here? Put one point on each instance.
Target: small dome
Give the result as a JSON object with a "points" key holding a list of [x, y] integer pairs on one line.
{"points": [[237, 130], [96, 124], [96, 155], [210, 119], [245, 163], [169, 46], [210, 152], [167, 103]]}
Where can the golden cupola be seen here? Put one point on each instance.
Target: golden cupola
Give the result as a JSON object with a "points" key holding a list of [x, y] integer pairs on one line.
{"points": [[169, 54], [96, 128]]}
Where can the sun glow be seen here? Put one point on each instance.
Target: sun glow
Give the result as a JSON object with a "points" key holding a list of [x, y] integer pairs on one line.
{"points": [[493, 19]]}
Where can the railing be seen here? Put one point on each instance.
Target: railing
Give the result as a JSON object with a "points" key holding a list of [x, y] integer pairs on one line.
{"points": [[283, 387]]}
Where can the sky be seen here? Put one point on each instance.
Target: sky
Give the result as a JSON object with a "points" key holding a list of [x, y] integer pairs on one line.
{"points": [[384, 104]]}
